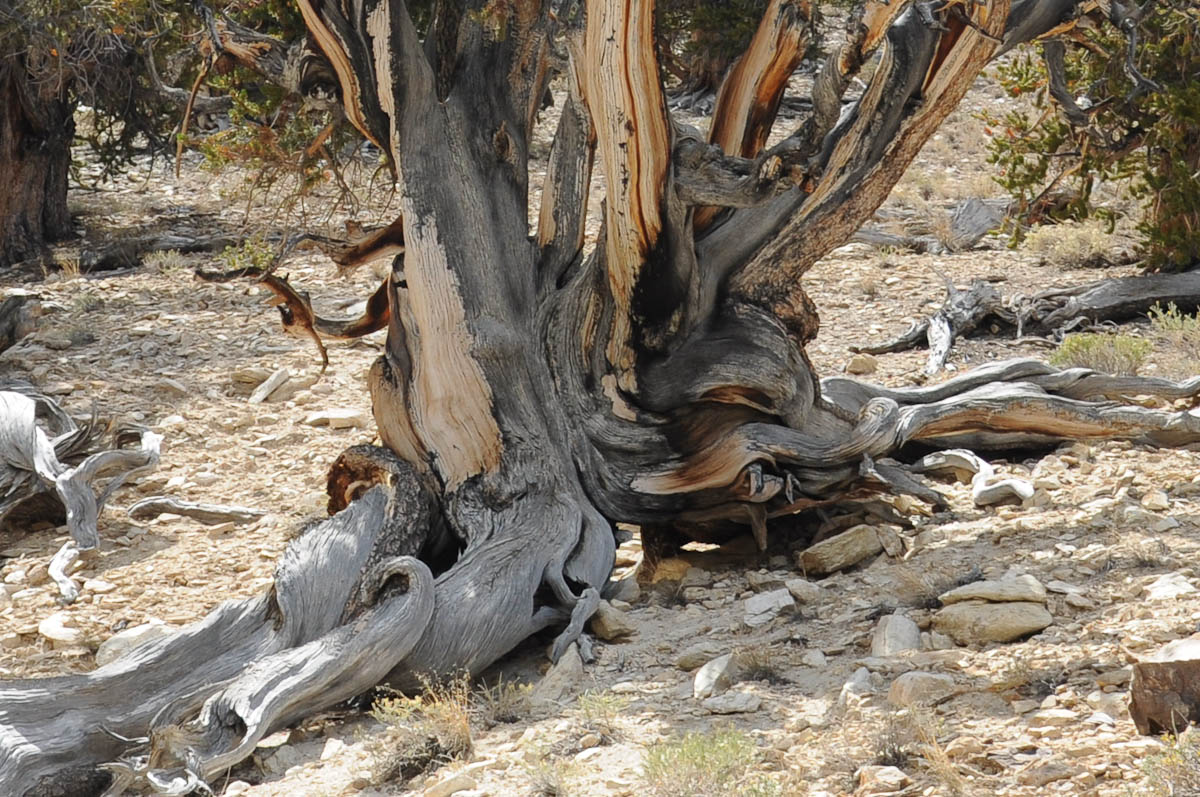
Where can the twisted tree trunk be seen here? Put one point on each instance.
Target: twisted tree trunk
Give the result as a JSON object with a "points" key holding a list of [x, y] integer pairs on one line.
{"points": [[532, 393]]}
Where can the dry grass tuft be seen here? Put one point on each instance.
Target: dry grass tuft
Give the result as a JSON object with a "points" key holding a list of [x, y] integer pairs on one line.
{"points": [[1073, 244]]}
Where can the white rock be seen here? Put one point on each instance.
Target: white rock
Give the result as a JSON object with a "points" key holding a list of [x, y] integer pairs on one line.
{"points": [[803, 590], [972, 622], [15, 576], [54, 628], [269, 386], [332, 748], [451, 785], [813, 658], [1021, 588], [1114, 704], [98, 586], [338, 418], [876, 781], [733, 703], [1053, 717], [1156, 501], [920, 689], [1172, 585], [857, 687], [715, 677], [236, 787], [120, 644], [894, 634], [766, 606]]}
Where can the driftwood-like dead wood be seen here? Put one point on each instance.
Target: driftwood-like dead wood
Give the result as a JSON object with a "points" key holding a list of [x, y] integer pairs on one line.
{"points": [[1051, 313], [32, 460], [209, 514], [128, 252], [966, 225]]}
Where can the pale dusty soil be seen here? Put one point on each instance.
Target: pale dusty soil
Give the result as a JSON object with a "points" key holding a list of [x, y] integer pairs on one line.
{"points": [[144, 327]]}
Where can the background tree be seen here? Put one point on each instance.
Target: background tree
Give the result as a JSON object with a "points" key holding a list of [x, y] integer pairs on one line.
{"points": [[57, 56], [534, 391], [1106, 110]]}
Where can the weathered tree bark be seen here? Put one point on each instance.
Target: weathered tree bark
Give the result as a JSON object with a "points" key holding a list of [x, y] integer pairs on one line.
{"points": [[36, 128], [532, 393]]}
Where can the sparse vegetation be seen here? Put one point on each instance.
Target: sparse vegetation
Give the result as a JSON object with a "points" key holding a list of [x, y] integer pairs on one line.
{"points": [[504, 702], [549, 776], [705, 765], [425, 730], [1175, 770], [1120, 355], [599, 711], [923, 725], [1073, 244], [166, 261]]}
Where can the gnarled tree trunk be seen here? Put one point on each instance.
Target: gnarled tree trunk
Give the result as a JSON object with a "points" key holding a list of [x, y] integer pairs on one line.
{"points": [[36, 129], [533, 393]]}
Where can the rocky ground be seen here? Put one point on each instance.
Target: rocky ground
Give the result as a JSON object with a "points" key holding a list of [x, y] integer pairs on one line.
{"points": [[866, 679]]}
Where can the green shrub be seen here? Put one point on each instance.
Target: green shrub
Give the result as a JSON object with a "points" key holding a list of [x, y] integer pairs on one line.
{"points": [[1120, 355], [1148, 138], [1175, 769], [710, 764]]}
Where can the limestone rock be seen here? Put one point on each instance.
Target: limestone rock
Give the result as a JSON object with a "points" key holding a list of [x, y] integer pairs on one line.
{"points": [[764, 582], [715, 677], [766, 606], [611, 624], [861, 365], [54, 628], [1164, 695], [1172, 585], [1052, 717], [1021, 588], [451, 785], [876, 781], [894, 634], [339, 418], [561, 680], [117, 645], [841, 551], [975, 622], [733, 703], [803, 590], [920, 689], [626, 589], [697, 655], [1156, 501]]}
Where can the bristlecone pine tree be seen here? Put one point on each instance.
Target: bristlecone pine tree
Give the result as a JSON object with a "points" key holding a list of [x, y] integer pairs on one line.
{"points": [[534, 393]]}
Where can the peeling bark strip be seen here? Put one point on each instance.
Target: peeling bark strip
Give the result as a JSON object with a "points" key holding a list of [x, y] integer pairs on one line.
{"points": [[750, 95], [451, 400], [624, 93]]}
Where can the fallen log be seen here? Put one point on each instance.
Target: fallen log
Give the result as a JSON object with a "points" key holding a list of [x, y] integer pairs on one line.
{"points": [[1053, 312], [209, 514], [36, 460]]}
